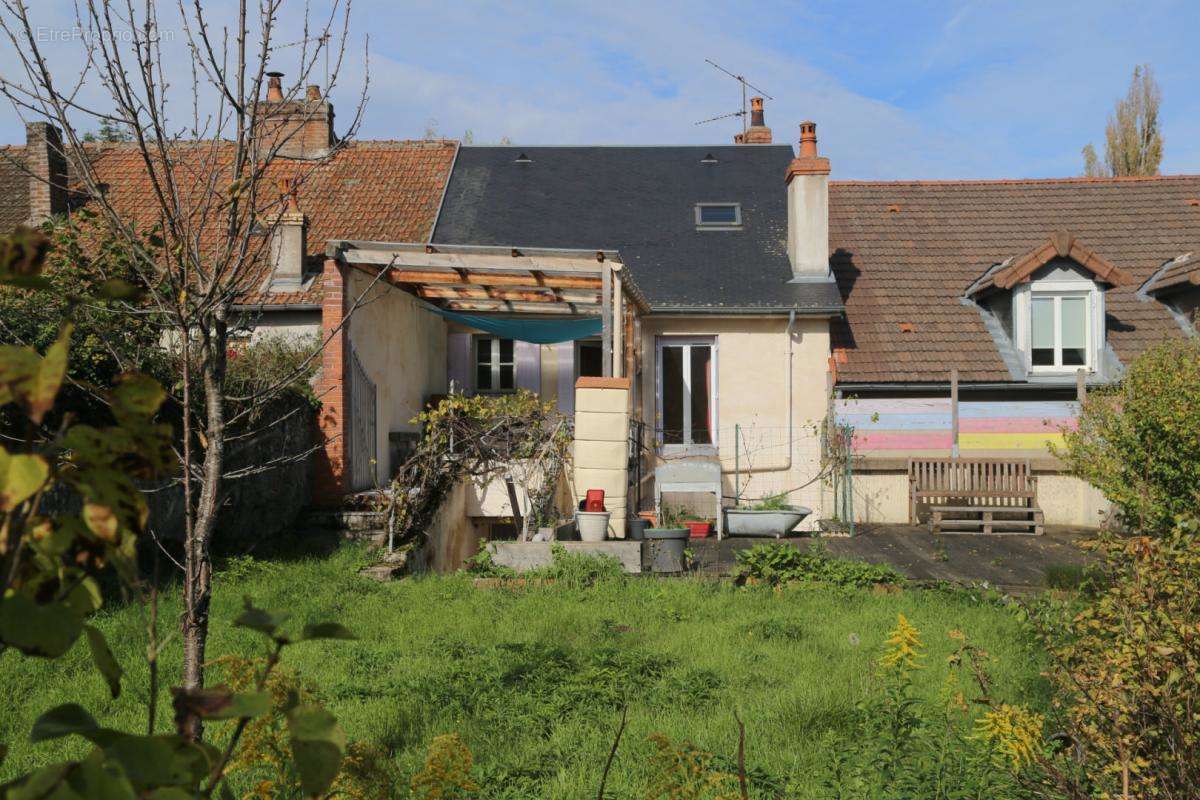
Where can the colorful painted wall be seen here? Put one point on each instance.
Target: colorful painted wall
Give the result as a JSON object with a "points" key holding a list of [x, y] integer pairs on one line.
{"points": [[889, 430], [922, 426]]}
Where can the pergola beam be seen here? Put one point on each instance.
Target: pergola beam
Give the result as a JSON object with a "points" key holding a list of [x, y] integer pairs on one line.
{"points": [[511, 307], [491, 293], [471, 277]]}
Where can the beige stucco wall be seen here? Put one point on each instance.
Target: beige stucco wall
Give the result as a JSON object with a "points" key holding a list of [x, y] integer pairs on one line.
{"points": [[752, 393], [882, 497], [402, 347]]}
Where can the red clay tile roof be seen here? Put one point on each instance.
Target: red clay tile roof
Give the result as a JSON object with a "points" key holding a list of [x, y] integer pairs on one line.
{"points": [[379, 190], [913, 265]]}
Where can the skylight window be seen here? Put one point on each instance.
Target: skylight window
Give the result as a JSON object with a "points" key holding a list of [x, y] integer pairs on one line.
{"points": [[718, 216]]}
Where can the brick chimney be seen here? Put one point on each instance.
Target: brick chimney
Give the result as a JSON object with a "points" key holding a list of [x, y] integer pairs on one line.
{"points": [[758, 132], [301, 128], [47, 168], [808, 209], [288, 242]]}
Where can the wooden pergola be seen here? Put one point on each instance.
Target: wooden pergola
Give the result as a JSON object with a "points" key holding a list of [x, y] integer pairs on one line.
{"points": [[514, 281]]}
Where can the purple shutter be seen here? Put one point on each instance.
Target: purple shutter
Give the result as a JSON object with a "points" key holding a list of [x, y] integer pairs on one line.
{"points": [[529, 365], [565, 352], [458, 362]]}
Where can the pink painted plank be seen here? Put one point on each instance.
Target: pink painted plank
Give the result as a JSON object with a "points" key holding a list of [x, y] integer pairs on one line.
{"points": [[901, 440], [1016, 425]]}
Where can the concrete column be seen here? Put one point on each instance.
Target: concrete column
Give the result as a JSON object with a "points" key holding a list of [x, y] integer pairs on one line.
{"points": [[602, 407]]}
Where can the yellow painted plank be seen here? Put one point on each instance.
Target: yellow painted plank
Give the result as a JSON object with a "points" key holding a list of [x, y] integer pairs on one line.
{"points": [[1008, 441]]}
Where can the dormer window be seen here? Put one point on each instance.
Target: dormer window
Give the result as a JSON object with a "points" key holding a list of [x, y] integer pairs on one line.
{"points": [[1059, 330], [1049, 305], [718, 216]]}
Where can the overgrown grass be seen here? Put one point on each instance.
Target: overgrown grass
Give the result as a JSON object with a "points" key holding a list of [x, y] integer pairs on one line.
{"points": [[534, 679]]}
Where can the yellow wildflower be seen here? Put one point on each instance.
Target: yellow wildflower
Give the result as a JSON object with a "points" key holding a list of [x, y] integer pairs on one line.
{"points": [[1013, 732], [447, 771], [903, 647]]}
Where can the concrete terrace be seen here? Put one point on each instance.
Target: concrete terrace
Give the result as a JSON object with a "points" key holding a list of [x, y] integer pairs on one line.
{"points": [[1007, 561]]}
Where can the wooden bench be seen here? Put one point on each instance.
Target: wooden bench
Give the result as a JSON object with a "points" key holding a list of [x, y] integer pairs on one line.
{"points": [[974, 495]]}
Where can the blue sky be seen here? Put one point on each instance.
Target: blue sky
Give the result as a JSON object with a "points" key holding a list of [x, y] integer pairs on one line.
{"points": [[909, 89]]}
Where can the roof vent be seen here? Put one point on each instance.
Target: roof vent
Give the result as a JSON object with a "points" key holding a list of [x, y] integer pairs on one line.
{"points": [[894, 208], [1193, 202], [522, 159], [709, 158]]}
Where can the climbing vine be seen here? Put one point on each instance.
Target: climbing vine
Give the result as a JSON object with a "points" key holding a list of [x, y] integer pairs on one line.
{"points": [[514, 437]]}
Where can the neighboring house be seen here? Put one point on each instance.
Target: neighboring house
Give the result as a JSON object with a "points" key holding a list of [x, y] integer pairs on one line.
{"points": [[744, 295]]}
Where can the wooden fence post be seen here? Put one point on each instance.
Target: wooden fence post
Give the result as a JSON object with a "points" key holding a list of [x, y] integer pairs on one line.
{"points": [[954, 412]]}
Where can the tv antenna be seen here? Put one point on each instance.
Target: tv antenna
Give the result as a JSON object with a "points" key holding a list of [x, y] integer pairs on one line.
{"points": [[745, 85]]}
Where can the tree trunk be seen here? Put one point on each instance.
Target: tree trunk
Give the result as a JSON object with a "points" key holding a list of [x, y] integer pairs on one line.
{"points": [[197, 589]]}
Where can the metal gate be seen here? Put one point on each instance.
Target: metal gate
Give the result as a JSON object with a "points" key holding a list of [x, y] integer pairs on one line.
{"points": [[362, 444]]}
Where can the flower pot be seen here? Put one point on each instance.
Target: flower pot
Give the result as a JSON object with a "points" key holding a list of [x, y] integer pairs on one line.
{"points": [[699, 529], [592, 525], [664, 548], [744, 522]]}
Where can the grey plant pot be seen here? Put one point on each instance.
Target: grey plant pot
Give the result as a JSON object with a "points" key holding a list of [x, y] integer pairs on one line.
{"points": [[665, 548]]}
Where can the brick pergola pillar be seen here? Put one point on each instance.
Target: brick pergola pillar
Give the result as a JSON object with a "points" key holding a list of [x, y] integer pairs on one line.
{"points": [[329, 480]]}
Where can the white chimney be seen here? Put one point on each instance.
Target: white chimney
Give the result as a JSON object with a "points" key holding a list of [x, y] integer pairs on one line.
{"points": [[288, 242], [808, 209]]}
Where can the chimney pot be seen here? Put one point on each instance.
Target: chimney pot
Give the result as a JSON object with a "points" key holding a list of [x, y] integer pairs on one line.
{"points": [[274, 87], [758, 132], [313, 92], [808, 139]]}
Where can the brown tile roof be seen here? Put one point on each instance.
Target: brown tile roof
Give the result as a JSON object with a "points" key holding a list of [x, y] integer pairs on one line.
{"points": [[904, 253], [381, 190]]}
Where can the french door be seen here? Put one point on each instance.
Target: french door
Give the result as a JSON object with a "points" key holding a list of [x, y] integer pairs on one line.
{"points": [[686, 396]]}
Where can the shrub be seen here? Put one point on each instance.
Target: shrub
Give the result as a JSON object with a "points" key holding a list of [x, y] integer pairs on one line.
{"points": [[447, 771], [778, 564], [286, 361], [1139, 442], [1127, 671]]}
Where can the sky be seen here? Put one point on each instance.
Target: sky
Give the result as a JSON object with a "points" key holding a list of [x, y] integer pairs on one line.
{"points": [[906, 89]]}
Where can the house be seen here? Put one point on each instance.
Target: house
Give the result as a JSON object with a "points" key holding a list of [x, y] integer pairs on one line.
{"points": [[742, 297]]}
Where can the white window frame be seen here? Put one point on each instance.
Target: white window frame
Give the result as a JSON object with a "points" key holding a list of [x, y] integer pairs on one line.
{"points": [[687, 342], [495, 364], [1093, 314], [719, 226]]}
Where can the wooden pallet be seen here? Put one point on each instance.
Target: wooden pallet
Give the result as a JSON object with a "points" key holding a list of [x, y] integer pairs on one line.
{"points": [[986, 519]]}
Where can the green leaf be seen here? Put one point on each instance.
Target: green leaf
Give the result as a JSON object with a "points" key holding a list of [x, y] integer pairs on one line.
{"points": [[22, 254], [118, 289], [34, 380], [219, 702], [153, 762], [46, 782], [20, 477], [97, 778], [61, 721], [318, 746], [38, 630], [136, 395], [326, 630], [266, 622], [104, 659]]}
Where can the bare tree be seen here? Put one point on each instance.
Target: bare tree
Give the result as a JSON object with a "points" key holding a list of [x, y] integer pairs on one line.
{"points": [[211, 163], [1132, 140]]}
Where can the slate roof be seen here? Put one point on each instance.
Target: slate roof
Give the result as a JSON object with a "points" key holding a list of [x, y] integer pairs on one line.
{"points": [[640, 201], [904, 253]]}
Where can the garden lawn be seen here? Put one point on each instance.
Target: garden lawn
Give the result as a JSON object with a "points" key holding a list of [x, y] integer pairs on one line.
{"points": [[533, 679]]}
